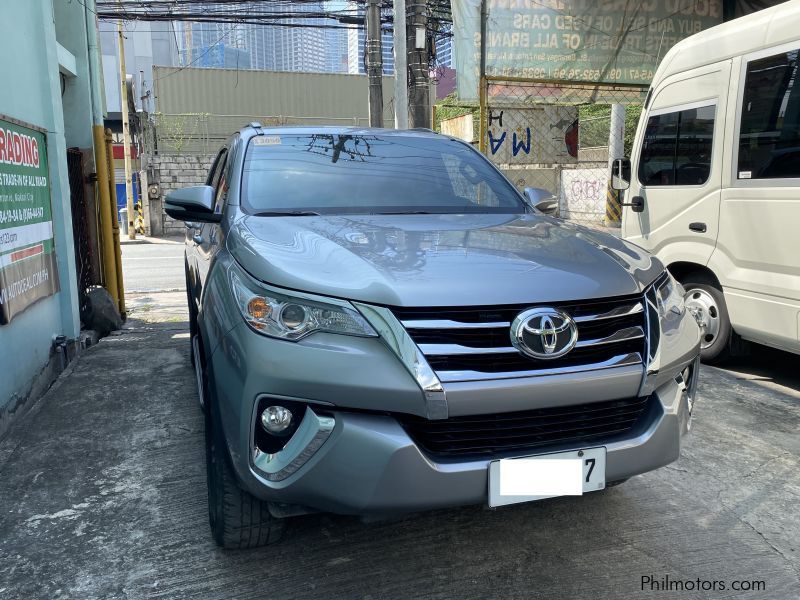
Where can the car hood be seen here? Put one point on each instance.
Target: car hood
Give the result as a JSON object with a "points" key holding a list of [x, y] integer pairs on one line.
{"points": [[440, 260]]}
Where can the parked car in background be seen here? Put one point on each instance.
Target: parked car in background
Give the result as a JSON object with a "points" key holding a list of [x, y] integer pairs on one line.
{"points": [[715, 178], [381, 324]]}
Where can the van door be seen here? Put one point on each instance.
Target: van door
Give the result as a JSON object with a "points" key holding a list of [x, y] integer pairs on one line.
{"points": [[677, 166], [757, 258]]}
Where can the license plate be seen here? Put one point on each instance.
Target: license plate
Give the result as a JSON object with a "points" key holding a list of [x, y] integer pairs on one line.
{"points": [[513, 480]]}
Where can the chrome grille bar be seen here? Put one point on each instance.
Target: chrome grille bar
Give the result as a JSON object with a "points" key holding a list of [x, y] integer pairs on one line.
{"points": [[622, 360], [617, 311], [454, 349], [474, 343], [623, 335], [447, 324]]}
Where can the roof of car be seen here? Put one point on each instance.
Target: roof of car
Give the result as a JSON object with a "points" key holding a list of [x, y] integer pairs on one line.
{"points": [[252, 130]]}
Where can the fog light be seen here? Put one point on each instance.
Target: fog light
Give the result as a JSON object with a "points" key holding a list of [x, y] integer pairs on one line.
{"points": [[276, 419]]}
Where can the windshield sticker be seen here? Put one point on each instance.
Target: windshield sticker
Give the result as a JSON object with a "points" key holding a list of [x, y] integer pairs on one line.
{"points": [[745, 174], [267, 140]]}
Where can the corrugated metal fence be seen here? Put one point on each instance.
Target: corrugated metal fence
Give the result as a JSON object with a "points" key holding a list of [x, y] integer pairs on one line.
{"points": [[197, 109]]}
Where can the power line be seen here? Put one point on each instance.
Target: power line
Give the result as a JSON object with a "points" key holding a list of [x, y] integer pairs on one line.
{"points": [[279, 13]]}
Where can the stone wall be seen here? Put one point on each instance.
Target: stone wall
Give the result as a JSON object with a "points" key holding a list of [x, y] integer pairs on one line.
{"points": [[172, 171]]}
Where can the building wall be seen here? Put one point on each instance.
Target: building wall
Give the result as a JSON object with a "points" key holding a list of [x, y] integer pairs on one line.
{"points": [[32, 93], [170, 172], [146, 44]]}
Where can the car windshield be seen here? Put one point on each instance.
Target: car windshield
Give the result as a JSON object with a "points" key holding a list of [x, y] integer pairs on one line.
{"points": [[372, 174]]}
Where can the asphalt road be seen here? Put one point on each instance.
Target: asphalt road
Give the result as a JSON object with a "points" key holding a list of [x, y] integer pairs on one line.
{"points": [[152, 264], [102, 495]]}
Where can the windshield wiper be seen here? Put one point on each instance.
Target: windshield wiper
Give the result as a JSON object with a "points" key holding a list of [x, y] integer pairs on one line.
{"points": [[287, 213]]}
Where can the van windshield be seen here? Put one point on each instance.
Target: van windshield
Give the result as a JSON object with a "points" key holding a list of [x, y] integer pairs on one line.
{"points": [[376, 174]]}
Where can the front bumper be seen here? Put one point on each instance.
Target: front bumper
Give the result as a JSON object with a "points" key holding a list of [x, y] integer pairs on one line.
{"points": [[369, 464]]}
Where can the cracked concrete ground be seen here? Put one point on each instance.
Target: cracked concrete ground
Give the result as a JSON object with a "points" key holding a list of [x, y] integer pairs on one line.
{"points": [[102, 495]]}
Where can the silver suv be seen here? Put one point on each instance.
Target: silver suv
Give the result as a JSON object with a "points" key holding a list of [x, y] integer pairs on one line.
{"points": [[381, 323]]}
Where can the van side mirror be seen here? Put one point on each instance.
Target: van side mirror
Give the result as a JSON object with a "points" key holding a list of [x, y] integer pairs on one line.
{"points": [[192, 204], [542, 201], [621, 174]]}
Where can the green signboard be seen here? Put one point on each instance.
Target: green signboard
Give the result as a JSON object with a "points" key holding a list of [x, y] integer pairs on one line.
{"points": [[597, 41], [27, 254]]}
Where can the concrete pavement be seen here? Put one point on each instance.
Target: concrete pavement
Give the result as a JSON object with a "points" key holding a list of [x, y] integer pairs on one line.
{"points": [[102, 495]]}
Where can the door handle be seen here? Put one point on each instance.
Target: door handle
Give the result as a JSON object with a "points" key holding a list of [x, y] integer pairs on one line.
{"points": [[698, 227]]}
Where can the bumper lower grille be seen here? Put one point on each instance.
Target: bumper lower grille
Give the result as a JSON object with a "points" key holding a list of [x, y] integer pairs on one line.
{"points": [[532, 430], [473, 343]]}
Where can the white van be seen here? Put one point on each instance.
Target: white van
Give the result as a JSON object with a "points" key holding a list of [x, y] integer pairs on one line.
{"points": [[713, 187]]}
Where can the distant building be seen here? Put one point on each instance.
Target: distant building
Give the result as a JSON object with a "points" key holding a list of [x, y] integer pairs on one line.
{"points": [[336, 50], [444, 52], [288, 46], [218, 56]]}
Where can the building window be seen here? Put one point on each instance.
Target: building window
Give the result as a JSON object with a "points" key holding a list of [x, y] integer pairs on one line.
{"points": [[677, 147], [769, 133]]}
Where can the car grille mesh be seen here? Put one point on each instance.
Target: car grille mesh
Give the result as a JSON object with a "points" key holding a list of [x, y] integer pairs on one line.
{"points": [[538, 429], [473, 343]]}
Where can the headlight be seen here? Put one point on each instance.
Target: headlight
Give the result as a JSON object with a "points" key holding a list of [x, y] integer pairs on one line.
{"points": [[669, 298], [292, 317]]}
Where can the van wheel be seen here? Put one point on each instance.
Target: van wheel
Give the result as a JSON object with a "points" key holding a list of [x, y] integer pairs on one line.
{"points": [[707, 303], [238, 519]]}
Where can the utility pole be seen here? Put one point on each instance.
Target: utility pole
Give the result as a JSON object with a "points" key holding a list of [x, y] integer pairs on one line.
{"points": [[109, 228], [419, 102], [616, 149], [374, 60], [126, 132], [400, 66], [482, 123]]}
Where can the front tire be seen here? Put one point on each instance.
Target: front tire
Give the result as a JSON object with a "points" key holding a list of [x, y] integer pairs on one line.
{"points": [[192, 315], [706, 301], [237, 518]]}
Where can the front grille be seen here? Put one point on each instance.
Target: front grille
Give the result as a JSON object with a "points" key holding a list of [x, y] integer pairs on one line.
{"points": [[473, 343], [531, 430]]}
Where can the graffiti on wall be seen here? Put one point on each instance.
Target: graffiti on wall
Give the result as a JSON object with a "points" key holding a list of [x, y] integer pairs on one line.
{"points": [[539, 135], [583, 193]]}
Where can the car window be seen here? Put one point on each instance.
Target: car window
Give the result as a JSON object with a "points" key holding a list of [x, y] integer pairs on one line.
{"points": [[372, 173], [221, 184], [677, 147], [216, 168], [769, 132]]}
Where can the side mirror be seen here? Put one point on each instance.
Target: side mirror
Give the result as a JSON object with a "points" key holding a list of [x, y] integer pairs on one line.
{"points": [[542, 201], [621, 174], [192, 204]]}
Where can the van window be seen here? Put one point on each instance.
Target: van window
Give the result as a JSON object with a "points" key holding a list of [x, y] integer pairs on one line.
{"points": [[677, 147], [769, 134]]}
